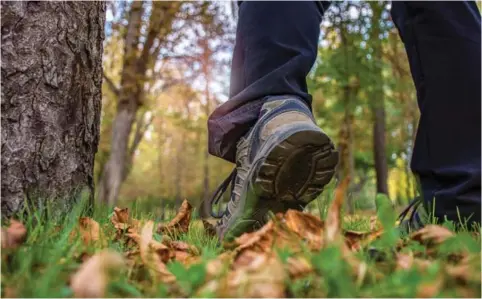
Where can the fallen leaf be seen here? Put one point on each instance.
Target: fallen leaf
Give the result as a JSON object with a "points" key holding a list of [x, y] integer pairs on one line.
{"points": [[307, 226], [257, 280], [356, 240], [406, 261], [9, 292], [14, 235], [430, 289], [333, 216], [216, 266], [249, 259], [467, 271], [124, 223], [432, 235], [270, 235], [374, 223], [181, 251], [120, 216], [90, 231], [333, 235], [298, 267], [132, 253], [182, 246], [180, 223], [262, 239], [263, 277], [93, 276], [154, 254]]}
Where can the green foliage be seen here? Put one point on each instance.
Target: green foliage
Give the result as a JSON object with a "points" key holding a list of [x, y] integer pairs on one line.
{"points": [[188, 278]]}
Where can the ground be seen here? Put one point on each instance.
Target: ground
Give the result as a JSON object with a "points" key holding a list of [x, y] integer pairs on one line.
{"points": [[124, 252]]}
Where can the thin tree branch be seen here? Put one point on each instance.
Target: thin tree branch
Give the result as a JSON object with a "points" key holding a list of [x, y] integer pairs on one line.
{"points": [[111, 84], [141, 128]]}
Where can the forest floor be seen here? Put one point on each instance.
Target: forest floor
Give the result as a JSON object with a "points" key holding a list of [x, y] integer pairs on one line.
{"points": [[125, 253]]}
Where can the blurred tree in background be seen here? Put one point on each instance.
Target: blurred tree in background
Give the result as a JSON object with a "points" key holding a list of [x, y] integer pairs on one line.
{"points": [[166, 66]]}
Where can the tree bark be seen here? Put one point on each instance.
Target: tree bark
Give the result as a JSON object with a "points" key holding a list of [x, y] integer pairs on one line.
{"points": [[379, 148], [51, 100], [346, 165], [378, 105], [207, 110]]}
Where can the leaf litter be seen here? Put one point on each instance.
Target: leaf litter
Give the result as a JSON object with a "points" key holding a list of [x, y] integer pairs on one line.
{"points": [[290, 247]]}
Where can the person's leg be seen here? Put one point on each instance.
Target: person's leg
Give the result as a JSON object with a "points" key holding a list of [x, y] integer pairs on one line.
{"points": [[276, 46], [283, 159], [442, 40]]}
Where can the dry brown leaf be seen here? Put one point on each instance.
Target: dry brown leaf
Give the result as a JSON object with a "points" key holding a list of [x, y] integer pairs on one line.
{"points": [[120, 216], [132, 253], [92, 277], [154, 254], [9, 292], [258, 279], [182, 246], [14, 235], [356, 240], [182, 252], [122, 222], [180, 223], [249, 259], [298, 267], [216, 266], [261, 239], [467, 271], [430, 289], [90, 231], [160, 250], [432, 235], [333, 216], [374, 223], [406, 261], [307, 226], [253, 280]]}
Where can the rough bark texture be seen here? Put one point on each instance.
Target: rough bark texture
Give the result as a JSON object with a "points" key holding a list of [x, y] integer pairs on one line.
{"points": [[51, 99]]}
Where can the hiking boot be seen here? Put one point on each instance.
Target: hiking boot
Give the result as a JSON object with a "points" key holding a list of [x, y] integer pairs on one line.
{"points": [[417, 220], [283, 163]]}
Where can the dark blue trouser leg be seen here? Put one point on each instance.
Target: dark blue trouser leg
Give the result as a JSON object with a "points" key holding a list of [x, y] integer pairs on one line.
{"points": [[442, 40], [276, 46]]}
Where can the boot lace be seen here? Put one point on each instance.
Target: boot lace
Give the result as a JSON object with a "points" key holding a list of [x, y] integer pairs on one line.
{"points": [[218, 194], [413, 205]]}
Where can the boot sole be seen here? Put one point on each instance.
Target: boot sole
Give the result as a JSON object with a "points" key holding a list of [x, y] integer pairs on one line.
{"points": [[297, 169], [289, 175]]}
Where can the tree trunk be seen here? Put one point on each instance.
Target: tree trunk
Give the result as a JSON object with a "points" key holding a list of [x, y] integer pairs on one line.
{"points": [[51, 100], [207, 110], [133, 78], [346, 165], [129, 102], [378, 105], [180, 169], [381, 167]]}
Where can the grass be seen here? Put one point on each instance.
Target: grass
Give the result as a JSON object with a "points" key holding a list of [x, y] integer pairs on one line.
{"points": [[44, 264]]}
